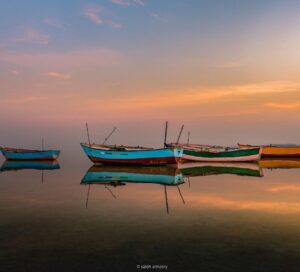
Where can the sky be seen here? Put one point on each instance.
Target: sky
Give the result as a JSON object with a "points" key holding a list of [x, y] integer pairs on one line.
{"points": [[228, 70]]}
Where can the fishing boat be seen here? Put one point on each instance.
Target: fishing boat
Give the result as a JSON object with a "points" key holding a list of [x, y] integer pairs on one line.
{"points": [[29, 154], [195, 152], [217, 168], [280, 151], [279, 163], [112, 154], [36, 165], [112, 175]]}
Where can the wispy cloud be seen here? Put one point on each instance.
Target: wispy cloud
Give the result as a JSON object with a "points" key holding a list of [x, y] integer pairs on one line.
{"points": [[139, 2], [229, 64], [89, 57], [54, 22], [127, 3], [65, 76], [93, 13], [123, 3], [33, 35], [154, 14], [286, 106]]}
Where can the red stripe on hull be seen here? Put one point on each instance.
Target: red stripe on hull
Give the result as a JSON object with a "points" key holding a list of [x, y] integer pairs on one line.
{"points": [[35, 159], [297, 155], [146, 161]]}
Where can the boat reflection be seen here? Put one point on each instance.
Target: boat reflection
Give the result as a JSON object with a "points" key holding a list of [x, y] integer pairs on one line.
{"points": [[122, 175], [11, 165], [210, 168], [279, 163]]}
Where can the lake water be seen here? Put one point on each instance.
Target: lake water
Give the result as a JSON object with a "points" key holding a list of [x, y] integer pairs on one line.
{"points": [[201, 218]]}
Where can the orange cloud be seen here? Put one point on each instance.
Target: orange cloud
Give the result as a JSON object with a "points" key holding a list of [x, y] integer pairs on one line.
{"points": [[287, 106]]}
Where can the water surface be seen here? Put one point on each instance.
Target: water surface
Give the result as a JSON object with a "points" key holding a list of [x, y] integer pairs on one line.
{"points": [[204, 220]]}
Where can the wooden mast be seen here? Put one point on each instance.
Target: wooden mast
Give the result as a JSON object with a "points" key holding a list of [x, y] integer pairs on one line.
{"points": [[179, 134], [109, 135], [88, 134]]}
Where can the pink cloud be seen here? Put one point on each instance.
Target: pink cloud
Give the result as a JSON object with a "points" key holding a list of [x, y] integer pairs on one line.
{"points": [[65, 76], [93, 13], [33, 35]]}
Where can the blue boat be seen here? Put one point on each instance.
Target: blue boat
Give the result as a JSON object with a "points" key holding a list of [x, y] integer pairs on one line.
{"points": [[109, 154], [120, 175], [28, 154], [36, 165]]}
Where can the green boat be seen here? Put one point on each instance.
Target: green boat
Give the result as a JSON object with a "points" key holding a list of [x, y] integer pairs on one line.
{"points": [[208, 153], [207, 169]]}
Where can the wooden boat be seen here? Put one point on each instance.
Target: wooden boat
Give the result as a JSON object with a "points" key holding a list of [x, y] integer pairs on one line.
{"points": [[194, 152], [29, 154], [109, 154], [280, 151], [279, 163], [115, 176], [217, 168], [36, 165]]}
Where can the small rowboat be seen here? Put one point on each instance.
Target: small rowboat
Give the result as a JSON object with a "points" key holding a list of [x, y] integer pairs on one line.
{"points": [[208, 153], [36, 165], [279, 151], [28, 154], [112, 175], [109, 154], [216, 168]]}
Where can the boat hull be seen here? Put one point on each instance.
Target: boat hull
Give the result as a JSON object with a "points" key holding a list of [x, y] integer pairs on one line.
{"points": [[236, 155], [134, 157], [32, 156], [277, 151]]}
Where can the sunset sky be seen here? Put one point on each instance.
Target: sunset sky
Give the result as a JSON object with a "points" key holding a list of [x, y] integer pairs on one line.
{"points": [[229, 70]]}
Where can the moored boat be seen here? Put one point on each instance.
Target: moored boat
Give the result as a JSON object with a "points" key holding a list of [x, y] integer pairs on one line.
{"points": [[193, 152], [217, 168], [280, 151], [29, 154], [109, 154]]}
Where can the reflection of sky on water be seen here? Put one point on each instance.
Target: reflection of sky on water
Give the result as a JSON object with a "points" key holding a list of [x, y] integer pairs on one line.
{"points": [[226, 217]]}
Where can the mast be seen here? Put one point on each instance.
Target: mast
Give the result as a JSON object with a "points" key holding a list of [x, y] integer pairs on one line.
{"points": [[179, 134], [88, 134], [108, 136]]}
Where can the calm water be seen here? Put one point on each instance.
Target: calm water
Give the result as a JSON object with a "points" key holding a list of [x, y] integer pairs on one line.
{"points": [[209, 219]]}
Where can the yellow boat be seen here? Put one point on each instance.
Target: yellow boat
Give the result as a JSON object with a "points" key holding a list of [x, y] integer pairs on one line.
{"points": [[279, 163], [279, 151]]}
